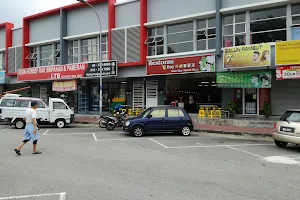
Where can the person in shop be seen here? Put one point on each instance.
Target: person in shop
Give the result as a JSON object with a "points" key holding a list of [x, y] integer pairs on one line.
{"points": [[168, 99]]}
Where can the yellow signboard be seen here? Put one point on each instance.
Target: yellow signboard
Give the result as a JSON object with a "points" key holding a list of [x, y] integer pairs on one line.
{"points": [[64, 86], [288, 53], [257, 55]]}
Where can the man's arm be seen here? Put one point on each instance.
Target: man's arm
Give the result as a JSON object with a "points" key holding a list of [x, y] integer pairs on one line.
{"points": [[34, 121]]}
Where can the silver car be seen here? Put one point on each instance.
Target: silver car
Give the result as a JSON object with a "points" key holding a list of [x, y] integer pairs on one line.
{"points": [[287, 129]]}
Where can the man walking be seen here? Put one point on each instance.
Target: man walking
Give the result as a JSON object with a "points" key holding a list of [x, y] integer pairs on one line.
{"points": [[31, 129]]}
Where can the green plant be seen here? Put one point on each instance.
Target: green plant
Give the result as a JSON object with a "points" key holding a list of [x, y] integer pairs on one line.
{"points": [[231, 107], [267, 109]]}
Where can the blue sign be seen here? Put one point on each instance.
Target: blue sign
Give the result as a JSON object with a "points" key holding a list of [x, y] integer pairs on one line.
{"points": [[2, 77]]}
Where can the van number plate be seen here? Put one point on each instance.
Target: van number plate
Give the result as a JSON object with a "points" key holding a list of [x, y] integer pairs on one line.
{"points": [[287, 129]]}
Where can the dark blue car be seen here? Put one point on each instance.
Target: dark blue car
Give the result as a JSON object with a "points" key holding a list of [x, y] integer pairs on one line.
{"points": [[160, 119]]}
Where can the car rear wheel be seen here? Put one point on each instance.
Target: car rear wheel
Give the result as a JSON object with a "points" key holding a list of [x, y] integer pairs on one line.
{"points": [[186, 131], [280, 144], [138, 131]]}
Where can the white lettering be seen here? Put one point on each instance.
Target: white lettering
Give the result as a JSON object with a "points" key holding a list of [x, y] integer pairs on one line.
{"points": [[160, 62]]}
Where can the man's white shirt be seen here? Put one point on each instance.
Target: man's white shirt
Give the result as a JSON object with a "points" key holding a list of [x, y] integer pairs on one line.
{"points": [[29, 115]]}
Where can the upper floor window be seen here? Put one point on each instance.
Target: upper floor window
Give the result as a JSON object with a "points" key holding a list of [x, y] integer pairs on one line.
{"points": [[268, 25], [296, 22], [56, 54], [89, 50], [45, 55], [104, 42], [73, 51], [206, 34], [32, 57], [234, 30], [180, 37], [2, 61], [155, 41]]}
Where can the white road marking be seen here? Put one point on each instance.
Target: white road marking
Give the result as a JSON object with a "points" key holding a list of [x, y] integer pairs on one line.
{"points": [[282, 160], [213, 146], [62, 196], [46, 131], [199, 143], [5, 129], [158, 143], [146, 138], [71, 134], [95, 138], [245, 152]]}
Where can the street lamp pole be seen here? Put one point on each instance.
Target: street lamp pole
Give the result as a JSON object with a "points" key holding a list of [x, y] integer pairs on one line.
{"points": [[99, 54]]}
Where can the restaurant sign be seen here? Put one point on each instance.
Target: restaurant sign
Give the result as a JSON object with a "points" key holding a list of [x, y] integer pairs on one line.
{"points": [[193, 64], [288, 72], [64, 86], [68, 71]]}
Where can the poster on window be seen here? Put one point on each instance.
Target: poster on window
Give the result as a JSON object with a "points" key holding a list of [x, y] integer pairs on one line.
{"points": [[288, 72], [68, 71], [287, 53], [64, 86], [257, 55], [193, 64]]}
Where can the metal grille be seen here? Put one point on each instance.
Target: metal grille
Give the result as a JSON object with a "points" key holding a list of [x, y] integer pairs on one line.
{"points": [[151, 93], [11, 60], [118, 45], [138, 94], [133, 44], [18, 58]]}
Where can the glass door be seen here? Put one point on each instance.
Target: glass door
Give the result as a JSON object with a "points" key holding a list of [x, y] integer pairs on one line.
{"points": [[239, 100], [251, 101]]}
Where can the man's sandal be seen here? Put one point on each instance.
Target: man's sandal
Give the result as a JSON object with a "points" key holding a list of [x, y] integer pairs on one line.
{"points": [[18, 152], [38, 152]]}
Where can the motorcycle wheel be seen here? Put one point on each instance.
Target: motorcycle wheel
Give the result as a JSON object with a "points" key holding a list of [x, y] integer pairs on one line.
{"points": [[110, 127]]}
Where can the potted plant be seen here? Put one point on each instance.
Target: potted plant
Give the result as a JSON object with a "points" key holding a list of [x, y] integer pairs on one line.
{"points": [[231, 107], [267, 109]]}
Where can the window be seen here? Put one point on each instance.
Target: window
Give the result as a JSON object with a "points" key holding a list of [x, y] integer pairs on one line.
{"points": [[46, 55], [104, 42], [32, 57], [234, 30], [158, 113], [155, 41], [89, 50], [73, 51], [22, 103], [291, 116], [2, 61], [268, 25], [56, 54], [41, 104], [8, 102], [296, 22], [175, 113], [206, 34], [180, 37], [59, 105]]}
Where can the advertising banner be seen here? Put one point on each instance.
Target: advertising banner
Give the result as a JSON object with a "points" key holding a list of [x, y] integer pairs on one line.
{"points": [[287, 53], [204, 63], [2, 77], [64, 86], [244, 79], [288, 72], [68, 71], [257, 55]]}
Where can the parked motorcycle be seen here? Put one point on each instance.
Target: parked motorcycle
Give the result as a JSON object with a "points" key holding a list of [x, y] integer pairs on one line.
{"points": [[102, 121], [113, 122]]}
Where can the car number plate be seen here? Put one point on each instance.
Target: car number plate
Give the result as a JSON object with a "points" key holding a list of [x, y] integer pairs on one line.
{"points": [[287, 129]]}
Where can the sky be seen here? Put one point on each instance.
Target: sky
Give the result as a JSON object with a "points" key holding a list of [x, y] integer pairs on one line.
{"points": [[14, 10]]}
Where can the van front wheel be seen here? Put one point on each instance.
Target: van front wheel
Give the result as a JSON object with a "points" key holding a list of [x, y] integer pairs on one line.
{"points": [[60, 123]]}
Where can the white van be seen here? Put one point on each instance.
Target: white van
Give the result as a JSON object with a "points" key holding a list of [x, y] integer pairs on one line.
{"points": [[13, 107]]}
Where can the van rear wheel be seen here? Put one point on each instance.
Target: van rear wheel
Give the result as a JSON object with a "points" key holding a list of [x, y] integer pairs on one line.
{"points": [[20, 124], [60, 123]]}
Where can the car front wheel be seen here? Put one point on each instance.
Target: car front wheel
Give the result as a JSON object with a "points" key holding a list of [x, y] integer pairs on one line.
{"points": [[280, 144], [186, 131], [138, 131]]}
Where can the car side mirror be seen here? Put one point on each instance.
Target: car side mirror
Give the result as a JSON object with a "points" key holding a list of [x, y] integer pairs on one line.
{"points": [[149, 116]]}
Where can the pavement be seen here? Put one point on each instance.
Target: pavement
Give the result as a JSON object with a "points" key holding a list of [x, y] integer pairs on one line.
{"points": [[86, 162], [239, 130]]}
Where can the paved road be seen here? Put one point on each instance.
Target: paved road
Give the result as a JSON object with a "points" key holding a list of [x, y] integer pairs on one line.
{"points": [[92, 164]]}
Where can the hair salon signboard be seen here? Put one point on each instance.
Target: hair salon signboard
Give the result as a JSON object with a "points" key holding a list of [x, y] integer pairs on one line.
{"points": [[68, 71], [193, 64]]}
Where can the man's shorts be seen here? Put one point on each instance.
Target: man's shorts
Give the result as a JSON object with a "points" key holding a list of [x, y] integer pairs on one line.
{"points": [[29, 133]]}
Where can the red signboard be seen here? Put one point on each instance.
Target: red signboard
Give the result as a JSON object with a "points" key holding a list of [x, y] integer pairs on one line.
{"points": [[204, 63], [69, 71], [288, 72]]}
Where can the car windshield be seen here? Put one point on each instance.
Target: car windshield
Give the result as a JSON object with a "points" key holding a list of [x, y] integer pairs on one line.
{"points": [[145, 113], [291, 116]]}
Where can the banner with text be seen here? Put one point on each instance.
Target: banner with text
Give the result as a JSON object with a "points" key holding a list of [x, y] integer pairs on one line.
{"points": [[68, 71], [64, 86], [287, 53], [204, 63], [288, 72], [257, 55]]}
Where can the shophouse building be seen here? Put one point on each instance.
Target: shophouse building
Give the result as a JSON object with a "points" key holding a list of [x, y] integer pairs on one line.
{"points": [[195, 52]]}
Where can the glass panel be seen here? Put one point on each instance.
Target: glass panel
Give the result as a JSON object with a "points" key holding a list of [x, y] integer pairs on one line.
{"points": [[159, 113], [228, 19], [268, 13], [46, 48], [76, 59], [175, 113], [295, 9], [201, 24], [180, 27], [104, 56], [239, 100], [211, 43], [212, 22], [151, 32], [103, 46], [201, 35], [250, 101], [268, 37], [76, 43], [201, 45], [240, 28], [228, 41], [296, 20], [211, 33], [160, 31], [151, 51], [240, 17], [240, 40], [84, 42], [268, 25], [75, 51], [181, 47], [180, 37], [57, 46], [159, 50], [228, 30]]}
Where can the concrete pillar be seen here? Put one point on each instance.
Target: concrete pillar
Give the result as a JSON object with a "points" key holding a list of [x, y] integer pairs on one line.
{"points": [[63, 33]]}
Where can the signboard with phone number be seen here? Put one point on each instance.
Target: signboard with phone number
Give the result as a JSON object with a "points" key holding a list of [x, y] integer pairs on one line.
{"points": [[288, 72]]}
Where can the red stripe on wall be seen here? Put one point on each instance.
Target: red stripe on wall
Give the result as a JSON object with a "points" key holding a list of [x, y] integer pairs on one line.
{"points": [[111, 25], [143, 30]]}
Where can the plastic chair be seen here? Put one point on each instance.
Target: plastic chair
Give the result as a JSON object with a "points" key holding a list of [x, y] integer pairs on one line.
{"points": [[130, 112], [201, 113], [138, 112], [211, 114], [218, 113]]}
